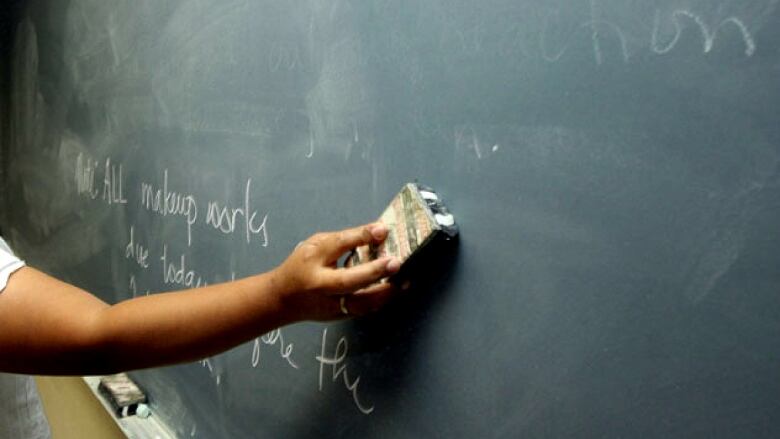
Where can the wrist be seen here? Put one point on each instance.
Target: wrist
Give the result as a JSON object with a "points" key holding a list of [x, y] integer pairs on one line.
{"points": [[280, 293]]}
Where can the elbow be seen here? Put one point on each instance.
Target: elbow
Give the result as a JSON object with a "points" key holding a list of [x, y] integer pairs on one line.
{"points": [[99, 345]]}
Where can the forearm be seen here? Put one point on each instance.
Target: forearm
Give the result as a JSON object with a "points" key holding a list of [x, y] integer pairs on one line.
{"points": [[187, 325], [92, 337]]}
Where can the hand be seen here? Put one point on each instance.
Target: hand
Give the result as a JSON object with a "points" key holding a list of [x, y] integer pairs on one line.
{"points": [[311, 286]]}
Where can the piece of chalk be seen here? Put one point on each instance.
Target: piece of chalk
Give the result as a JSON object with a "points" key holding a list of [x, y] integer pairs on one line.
{"points": [[143, 411], [445, 220]]}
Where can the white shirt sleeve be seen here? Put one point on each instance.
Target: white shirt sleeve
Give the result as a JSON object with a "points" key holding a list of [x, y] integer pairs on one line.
{"points": [[8, 263], [21, 411]]}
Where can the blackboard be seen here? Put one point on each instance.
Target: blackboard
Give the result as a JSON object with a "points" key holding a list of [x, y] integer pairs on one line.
{"points": [[614, 166]]}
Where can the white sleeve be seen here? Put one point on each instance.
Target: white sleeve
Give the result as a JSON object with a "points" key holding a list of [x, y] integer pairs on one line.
{"points": [[8, 263]]}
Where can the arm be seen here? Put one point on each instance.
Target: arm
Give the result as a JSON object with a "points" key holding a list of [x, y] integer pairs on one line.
{"points": [[50, 327]]}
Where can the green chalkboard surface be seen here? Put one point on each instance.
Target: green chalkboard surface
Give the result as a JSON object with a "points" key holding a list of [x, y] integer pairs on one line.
{"points": [[614, 166]]}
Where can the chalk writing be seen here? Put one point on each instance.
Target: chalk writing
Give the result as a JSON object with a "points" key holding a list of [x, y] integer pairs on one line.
{"points": [[85, 176], [709, 33], [226, 219], [338, 366], [166, 202], [310, 154], [134, 287], [217, 376], [272, 338], [465, 136], [180, 275], [136, 252], [543, 42], [599, 28], [595, 25], [112, 184], [595, 32]]}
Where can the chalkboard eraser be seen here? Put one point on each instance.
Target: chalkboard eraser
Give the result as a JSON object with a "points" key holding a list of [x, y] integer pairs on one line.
{"points": [[122, 394], [418, 223]]}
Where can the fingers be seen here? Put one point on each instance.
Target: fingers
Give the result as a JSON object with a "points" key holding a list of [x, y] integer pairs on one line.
{"points": [[345, 280], [367, 300], [338, 243], [314, 286]]}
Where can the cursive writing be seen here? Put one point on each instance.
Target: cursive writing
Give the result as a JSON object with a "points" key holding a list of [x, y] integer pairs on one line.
{"points": [[136, 252], [226, 219], [270, 339], [708, 32], [166, 202], [338, 366], [180, 275]]}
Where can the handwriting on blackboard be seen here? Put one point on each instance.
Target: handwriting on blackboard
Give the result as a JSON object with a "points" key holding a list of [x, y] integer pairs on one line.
{"points": [[708, 31], [226, 219], [600, 30], [215, 375], [177, 273], [338, 367], [272, 338], [86, 176], [552, 33], [136, 252], [112, 184], [133, 285], [166, 202]]}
